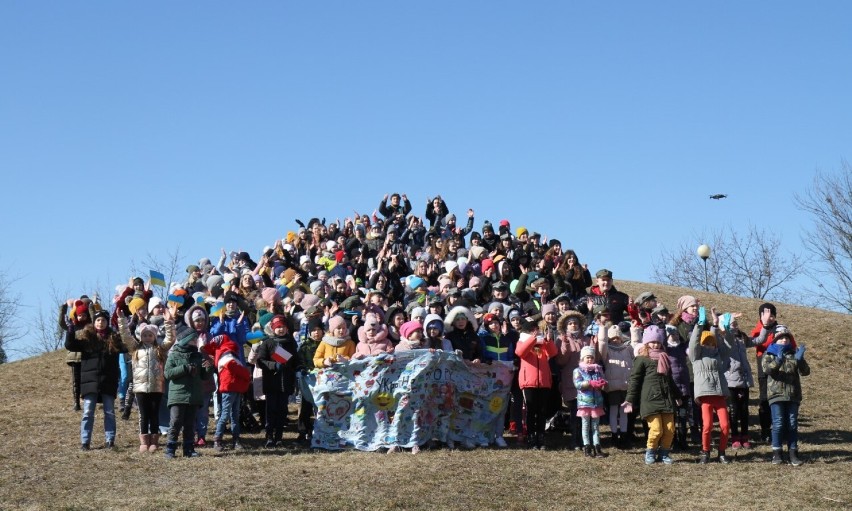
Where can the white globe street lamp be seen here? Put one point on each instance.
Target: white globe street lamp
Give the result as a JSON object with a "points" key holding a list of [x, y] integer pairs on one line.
{"points": [[704, 253]]}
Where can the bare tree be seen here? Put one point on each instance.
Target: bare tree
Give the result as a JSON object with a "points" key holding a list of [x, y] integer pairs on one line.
{"points": [[829, 201], [46, 336], [745, 264], [10, 303]]}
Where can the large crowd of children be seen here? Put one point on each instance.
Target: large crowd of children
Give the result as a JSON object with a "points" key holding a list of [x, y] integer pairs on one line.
{"points": [[240, 335]]}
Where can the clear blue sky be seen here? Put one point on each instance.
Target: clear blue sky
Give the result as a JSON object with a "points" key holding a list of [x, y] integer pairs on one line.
{"points": [[134, 127]]}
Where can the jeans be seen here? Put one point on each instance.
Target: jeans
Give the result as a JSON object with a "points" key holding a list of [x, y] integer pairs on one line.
{"points": [[90, 402], [785, 418], [230, 409], [591, 432]]}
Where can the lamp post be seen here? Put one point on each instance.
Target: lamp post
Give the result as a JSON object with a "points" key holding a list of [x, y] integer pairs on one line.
{"points": [[704, 253]]}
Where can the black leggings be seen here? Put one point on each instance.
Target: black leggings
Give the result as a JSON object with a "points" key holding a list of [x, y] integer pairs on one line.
{"points": [[536, 401], [149, 412], [739, 411]]}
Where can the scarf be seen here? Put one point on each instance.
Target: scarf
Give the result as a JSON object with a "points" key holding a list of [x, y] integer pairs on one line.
{"points": [[663, 365], [334, 341], [590, 368], [687, 317]]}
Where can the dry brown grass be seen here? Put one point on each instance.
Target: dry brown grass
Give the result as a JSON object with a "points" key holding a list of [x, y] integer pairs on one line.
{"points": [[42, 468]]}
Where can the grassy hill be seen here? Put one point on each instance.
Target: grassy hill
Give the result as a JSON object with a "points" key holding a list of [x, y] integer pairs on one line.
{"points": [[42, 468]]}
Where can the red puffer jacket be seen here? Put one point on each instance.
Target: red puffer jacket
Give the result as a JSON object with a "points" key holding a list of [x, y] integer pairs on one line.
{"points": [[535, 370], [234, 376]]}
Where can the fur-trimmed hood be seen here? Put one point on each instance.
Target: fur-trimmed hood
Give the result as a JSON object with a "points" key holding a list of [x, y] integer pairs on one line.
{"points": [[88, 336], [187, 318], [562, 322], [455, 311]]}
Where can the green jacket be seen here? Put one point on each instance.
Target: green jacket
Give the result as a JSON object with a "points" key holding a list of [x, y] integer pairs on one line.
{"points": [[782, 380], [657, 392], [184, 386]]}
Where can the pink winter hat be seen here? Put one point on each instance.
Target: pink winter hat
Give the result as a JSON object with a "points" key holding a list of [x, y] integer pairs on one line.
{"points": [[685, 302], [336, 322], [269, 295], [409, 327]]}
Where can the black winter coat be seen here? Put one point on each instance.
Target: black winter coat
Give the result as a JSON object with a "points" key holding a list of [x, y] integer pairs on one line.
{"points": [[278, 380], [98, 359]]}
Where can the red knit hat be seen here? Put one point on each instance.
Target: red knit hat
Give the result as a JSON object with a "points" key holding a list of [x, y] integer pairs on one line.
{"points": [[278, 321]]}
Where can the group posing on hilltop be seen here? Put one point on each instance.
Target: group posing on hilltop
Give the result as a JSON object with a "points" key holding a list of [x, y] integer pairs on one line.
{"points": [[241, 335]]}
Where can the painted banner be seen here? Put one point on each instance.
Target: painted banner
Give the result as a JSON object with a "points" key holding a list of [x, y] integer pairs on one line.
{"points": [[407, 399]]}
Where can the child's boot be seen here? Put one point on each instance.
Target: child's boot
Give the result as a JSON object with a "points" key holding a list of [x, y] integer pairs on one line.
{"points": [[189, 450], [776, 457], [650, 456], [144, 441], [236, 445], [217, 444], [794, 458], [599, 451], [723, 459], [704, 457], [588, 452], [153, 445], [171, 447], [664, 456]]}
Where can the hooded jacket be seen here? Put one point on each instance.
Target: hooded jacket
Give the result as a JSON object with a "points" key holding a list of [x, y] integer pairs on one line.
{"points": [[708, 367], [185, 373], [535, 369], [98, 358], [148, 359], [373, 337], [234, 375]]}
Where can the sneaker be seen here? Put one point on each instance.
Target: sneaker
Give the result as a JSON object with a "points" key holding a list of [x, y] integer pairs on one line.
{"points": [[513, 427], [704, 457], [484, 443], [270, 443], [415, 449], [724, 460], [110, 444], [746, 444], [85, 447], [650, 457], [599, 451], [217, 446], [201, 442], [776, 457], [665, 458], [467, 444], [237, 446], [451, 444], [500, 442], [192, 454], [736, 444], [588, 452], [393, 449]]}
